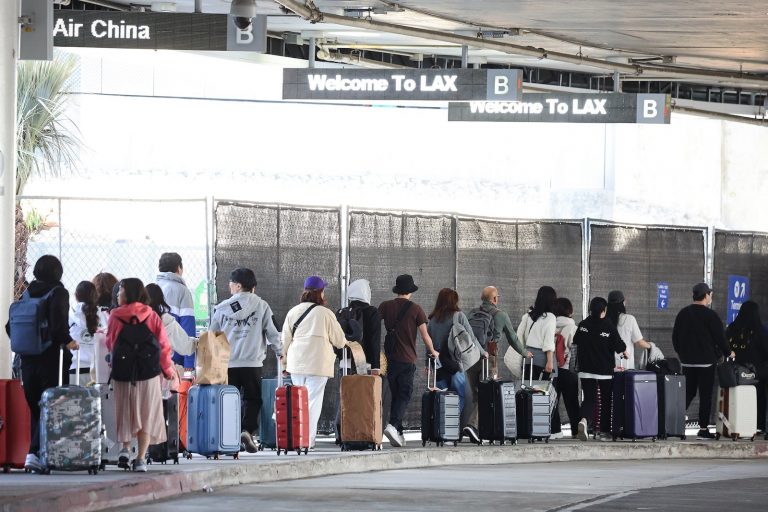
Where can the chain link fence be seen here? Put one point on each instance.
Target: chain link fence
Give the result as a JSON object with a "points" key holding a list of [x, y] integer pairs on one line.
{"points": [[123, 237]]}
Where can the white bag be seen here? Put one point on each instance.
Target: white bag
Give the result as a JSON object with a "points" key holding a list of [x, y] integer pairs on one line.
{"points": [[514, 362]]}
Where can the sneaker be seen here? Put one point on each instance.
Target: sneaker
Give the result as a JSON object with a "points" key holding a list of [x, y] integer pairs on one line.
{"points": [[123, 458], [402, 439], [604, 437], [140, 465], [704, 434], [582, 434], [556, 435], [246, 441], [393, 435], [472, 434], [32, 463]]}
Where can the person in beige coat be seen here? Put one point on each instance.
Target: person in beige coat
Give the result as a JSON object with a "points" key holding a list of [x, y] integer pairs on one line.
{"points": [[310, 334]]}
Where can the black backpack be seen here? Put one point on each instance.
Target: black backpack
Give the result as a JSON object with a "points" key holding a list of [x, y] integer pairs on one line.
{"points": [[351, 321], [136, 354]]}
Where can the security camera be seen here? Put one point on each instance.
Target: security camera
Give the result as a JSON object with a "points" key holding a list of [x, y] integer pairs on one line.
{"points": [[242, 11]]}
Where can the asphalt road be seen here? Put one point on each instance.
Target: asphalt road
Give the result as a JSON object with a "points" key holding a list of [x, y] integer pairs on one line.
{"points": [[660, 485]]}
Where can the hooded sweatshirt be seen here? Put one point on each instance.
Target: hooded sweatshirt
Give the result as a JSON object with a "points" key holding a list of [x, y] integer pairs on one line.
{"points": [[179, 298], [596, 341], [566, 326], [359, 296], [145, 314], [246, 320], [78, 329]]}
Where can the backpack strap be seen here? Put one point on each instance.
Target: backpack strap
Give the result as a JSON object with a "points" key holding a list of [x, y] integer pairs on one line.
{"points": [[301, 318], [400, 315]]}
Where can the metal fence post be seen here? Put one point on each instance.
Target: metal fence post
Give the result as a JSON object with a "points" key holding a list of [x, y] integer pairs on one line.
{"points": [[585, 241], [210, 257]]}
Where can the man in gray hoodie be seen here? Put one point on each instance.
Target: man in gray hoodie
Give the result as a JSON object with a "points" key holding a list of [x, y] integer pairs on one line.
{"points": [[246, 319]]}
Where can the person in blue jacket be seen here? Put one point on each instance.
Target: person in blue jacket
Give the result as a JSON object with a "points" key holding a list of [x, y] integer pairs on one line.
{"points": [[179, 299]]}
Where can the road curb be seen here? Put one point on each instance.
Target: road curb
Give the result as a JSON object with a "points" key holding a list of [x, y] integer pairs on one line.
{"points": [[169, 484]]}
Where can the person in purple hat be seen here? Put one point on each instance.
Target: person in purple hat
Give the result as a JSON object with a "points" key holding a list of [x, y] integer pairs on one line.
{"points": [[310, 334]]}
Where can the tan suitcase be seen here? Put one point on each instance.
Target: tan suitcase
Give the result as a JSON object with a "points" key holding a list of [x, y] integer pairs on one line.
{"points": [[361, 427]]}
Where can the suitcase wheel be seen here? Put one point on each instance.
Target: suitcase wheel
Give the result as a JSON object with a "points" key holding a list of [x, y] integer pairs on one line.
{"points": [[306, 451], [455, 444], [614, 438], [734, 437], [653, 439], [717, 436], [424, 443], [546, 440], [752, 439], [176, 460], [6, 469], [682, 438], [236, 456]]}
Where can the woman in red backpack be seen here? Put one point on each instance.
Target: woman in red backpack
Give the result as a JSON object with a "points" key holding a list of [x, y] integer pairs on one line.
{"points": [[137, 385]]}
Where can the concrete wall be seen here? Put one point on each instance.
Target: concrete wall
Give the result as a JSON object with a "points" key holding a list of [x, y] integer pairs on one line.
{"points": [[155, 124]]}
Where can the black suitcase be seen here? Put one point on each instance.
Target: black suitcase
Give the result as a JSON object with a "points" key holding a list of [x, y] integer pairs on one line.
{"points": [[440, 414], [496, 409], [533, 412], [671, 392], [169, 450]]}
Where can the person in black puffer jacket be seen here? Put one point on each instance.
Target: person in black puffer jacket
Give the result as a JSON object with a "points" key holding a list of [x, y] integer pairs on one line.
{"points": [[596, 341], [747, 338]]}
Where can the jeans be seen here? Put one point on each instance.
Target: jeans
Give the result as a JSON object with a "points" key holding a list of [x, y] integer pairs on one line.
{"points": [[400, 377], [589, 386], [248, 382], [473, 382], [457, 385], [701, 380]]}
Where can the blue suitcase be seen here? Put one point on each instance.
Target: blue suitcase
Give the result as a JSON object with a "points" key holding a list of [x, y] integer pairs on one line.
{"points": [[635, 408], [213, 414], [267, 433]]}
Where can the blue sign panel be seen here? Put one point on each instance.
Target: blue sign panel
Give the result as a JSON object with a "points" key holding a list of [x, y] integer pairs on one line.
{"points": [[738, 292], [662, 302]]}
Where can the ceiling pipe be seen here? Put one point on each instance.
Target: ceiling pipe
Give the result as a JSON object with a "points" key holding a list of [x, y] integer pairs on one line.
{"points": [[719, 115], [355, 60], [109, 5], [314, 15]]}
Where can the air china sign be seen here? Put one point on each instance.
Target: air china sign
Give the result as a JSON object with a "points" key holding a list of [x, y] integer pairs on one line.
{"points": [[156, 31]]}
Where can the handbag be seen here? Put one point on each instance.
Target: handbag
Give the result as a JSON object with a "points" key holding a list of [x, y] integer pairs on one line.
{"points": [[514, 361], [731, 374]]}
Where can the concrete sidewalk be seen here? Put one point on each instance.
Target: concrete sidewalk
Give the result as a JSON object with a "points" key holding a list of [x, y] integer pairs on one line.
{"points": [[112, 488]]}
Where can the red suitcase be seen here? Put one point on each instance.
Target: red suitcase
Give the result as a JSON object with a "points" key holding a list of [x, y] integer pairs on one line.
{"points": [[292, 418], [14, 425]]}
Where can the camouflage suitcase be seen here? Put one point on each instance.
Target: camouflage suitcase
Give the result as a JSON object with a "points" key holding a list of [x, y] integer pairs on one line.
{"points": [[70, 428]]}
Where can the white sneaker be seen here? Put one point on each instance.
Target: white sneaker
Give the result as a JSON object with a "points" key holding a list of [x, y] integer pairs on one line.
{"points": [[32, 463], [395, 438], [582, 435], [556, 435], [402, 439]]}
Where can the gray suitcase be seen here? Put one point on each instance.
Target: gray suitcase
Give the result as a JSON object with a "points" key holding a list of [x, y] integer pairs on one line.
{"points": [[70, 427], [440, 416], [110, 448]]}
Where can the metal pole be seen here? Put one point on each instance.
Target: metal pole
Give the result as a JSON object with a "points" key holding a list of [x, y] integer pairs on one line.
{"points": [[9, 44], [312, 52], [210, 286], [464, 56], [198, 6], [616, 82]]}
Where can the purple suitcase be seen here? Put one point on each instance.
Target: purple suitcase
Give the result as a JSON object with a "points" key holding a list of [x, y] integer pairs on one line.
{"points": [[635, 410]]}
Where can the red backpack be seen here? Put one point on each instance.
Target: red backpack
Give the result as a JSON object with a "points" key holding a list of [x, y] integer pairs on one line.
{"points": [[560, 349]]}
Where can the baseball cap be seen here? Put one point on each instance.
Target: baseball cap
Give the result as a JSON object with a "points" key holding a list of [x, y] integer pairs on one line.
{"points": [[615, 297], [702, 289], [314, 283]]}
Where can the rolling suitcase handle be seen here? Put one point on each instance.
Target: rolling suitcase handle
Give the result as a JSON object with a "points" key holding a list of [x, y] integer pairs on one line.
{"points": [[61, 367], [430, 361], [344, 360], [484, 371]]}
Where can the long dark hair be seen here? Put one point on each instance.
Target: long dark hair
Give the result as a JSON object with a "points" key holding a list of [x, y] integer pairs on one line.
{"points": [[314, 296], [157, 300], [446, 305], [134, 290], [614, 310], [747, 323], [86, 294], [104, 283], [596, 307], [545, 301]]}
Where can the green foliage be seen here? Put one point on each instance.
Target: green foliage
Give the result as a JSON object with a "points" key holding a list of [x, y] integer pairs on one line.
{"points": [[45, 147]]}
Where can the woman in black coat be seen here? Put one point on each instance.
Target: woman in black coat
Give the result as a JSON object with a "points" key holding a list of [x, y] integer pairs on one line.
{"points": [[748, 340]]}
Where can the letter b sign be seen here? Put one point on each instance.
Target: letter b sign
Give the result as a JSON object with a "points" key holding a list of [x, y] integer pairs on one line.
{"points": [[652, 109], [504, 85]]}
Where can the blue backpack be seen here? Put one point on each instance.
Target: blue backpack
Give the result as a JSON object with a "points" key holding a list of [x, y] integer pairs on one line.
{"points": [[28, 319]]}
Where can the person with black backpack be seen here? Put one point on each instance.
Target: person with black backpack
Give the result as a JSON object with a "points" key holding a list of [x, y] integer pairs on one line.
{"points": [[141, 353], [37, 338]]}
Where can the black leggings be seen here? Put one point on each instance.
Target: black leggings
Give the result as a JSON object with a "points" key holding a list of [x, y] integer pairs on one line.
{"points": [[701, 380], [589, 387]]}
